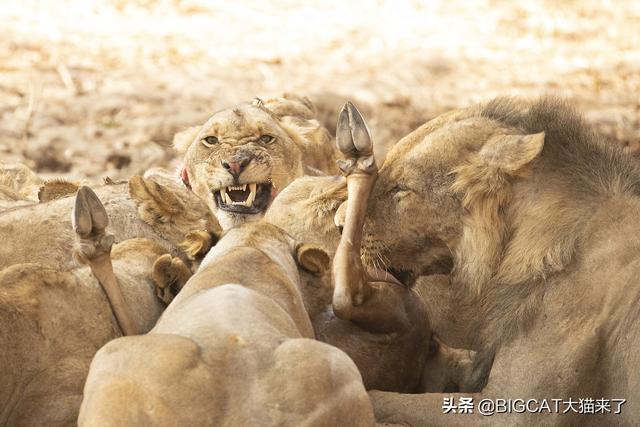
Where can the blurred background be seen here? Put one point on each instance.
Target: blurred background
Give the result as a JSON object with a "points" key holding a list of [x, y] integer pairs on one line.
{"points": [[92, 89]]}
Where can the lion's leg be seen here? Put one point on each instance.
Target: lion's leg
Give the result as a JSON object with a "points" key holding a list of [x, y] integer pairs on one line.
{"points": [[169, 275], [90, 219]]}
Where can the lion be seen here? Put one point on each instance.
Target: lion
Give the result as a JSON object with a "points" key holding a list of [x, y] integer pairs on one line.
{"points": [[234, 347], [19, 186], [61, 317], [388, 336], [307, 210], [148, 207], [536, 217], [54, 322], [243, 156], [406, 358]]}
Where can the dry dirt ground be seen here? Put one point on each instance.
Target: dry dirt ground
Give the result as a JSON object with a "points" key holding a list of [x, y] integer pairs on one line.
{"points": [[90, 89]]}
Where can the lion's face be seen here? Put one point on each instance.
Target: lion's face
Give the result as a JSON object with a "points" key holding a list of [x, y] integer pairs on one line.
{"points": [[413, 215], [238, 162], [419, 210]]}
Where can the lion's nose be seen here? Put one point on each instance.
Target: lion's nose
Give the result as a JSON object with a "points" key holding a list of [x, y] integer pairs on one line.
{"points": [[235, 166]]}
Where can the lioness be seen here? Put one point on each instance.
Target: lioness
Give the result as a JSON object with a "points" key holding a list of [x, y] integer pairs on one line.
{"points": [[42, 233], [233, 348], [389, 335], [53, 322], [243, 156], [538, 217], [56, 320], [18, 186]]}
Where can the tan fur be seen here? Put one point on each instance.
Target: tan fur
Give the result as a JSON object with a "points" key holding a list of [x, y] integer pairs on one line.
{"points": [[42, 233], [169, 274], [306, 210], [18, 186], [300, 146], [197, 243], [387, 361], [56, 189], [54, 323], [234, 348], [542, 232]]}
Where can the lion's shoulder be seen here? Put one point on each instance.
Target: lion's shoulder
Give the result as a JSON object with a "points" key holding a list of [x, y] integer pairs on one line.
{"points": [[22, 286]]}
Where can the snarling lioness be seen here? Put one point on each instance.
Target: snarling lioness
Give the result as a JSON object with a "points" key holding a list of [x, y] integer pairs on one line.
{"points": [[539, 218], [243, 156]]}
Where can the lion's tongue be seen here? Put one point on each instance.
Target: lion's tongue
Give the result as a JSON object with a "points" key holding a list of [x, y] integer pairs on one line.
{"points": [[185, 177], [377, 275]]}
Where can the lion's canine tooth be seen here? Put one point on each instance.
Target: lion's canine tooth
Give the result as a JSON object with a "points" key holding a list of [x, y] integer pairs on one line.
{"points": [[252, 194], [225, 197], [244, 187]]}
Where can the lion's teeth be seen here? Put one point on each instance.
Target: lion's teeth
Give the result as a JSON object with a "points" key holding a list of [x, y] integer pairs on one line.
{"points": [[225, 197], [244, 187], [252, 194]]}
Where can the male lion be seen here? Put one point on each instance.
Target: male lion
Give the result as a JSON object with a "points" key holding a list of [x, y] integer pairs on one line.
{"points": [[243, 156], [539, 218]]}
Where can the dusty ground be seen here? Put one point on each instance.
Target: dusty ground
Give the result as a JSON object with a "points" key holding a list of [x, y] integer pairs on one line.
{"points": [[93, 89]]}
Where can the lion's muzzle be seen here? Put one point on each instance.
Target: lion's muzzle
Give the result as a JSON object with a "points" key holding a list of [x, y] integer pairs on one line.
{"points": [[252, 198]]}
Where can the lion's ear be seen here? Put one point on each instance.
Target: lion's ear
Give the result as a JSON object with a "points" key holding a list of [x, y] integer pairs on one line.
{"points": [[289, 105], [183, 139], [155, 202], [512, 152], [312, 259]]}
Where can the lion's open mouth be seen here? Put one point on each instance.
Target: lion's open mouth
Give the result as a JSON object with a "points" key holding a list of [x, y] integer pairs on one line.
{"points": [[406, 277], [377, 275], [399, 277], [250, 198]]}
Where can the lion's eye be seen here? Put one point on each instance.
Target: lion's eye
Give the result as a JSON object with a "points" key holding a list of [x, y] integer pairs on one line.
{"points": [[209, 141], [400, 188], [266, 139]]}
